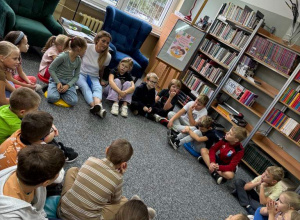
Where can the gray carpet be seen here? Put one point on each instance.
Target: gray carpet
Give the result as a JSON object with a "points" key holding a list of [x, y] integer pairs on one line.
{"points": [[172, 182]]}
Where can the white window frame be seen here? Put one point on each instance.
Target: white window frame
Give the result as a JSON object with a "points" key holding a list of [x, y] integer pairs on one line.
{"points": [[102, 4]]}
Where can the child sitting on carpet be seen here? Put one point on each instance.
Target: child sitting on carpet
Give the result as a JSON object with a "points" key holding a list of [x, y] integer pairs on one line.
{"points": [[54, 46], [64, 71], [17, 76], [121, 87], [204, 137], [237, 217], [143, 98], [231, 153]]}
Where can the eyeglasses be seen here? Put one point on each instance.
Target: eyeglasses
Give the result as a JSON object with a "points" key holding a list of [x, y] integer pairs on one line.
{"points": [[51, 130], [153, 82]]}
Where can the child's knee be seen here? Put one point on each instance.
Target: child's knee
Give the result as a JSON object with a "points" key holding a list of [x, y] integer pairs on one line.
{"points": [[52, 98], [228, 175], [171, 114], [204, 151]]}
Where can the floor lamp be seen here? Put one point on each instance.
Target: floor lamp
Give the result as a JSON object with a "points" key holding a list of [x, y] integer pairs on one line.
{"points": [[79, 1]]}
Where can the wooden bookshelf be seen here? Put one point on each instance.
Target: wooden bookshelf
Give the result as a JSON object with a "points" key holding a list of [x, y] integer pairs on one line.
{"points": [[294, 110], [278, 154], [193, 68], [236, 24], [215, 60], [225, 42], [264, 87], [267, 65]]}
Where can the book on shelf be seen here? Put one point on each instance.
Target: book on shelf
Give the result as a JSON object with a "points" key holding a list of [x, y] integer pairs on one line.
{"points": [[291, 97], [183, 98], [273, 54], [297, 77]]}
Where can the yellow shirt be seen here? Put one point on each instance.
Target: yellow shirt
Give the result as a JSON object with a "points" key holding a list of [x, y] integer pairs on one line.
{"points": [[272, 192]]}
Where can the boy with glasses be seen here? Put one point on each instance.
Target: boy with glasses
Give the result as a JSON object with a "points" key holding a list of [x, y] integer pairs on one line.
{"points": [[143, 98]]}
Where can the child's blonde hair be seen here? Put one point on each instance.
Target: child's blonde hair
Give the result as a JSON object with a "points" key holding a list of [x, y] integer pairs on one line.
{"points": [[205, 122], [202, 99], [102, 58], [119, 151], [133, 210], [239, 132], [293, 199], [175, 82], [6, 48], [276, 172], [295, 215], [75, 42], [24, 99], [127, 60], [152, 75], [58, 40]]}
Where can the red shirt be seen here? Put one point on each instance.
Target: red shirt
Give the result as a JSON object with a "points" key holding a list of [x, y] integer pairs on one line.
{"points": [[229, 157]]}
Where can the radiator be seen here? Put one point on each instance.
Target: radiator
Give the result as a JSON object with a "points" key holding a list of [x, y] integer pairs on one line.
{"points": [[94, 24]]}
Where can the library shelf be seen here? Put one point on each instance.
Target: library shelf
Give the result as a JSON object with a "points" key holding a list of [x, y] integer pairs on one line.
{"points": [[295, 142], [238, 25], [264, 33], [278, 154], [215, 60], [264, 87], [267, 65], [294, 110], [249, 166], [256, 108], [198, 73], [225, 42]]}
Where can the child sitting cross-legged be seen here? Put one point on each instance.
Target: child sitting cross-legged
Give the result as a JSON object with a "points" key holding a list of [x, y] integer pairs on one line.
{"points": [[23, 187], [286, 208], [260, 190], [231, 152], [143, 98], [95, 190], [121, 87], [188, 115], [205, 136]]}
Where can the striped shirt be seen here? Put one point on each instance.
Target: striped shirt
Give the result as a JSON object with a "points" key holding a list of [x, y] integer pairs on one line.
{"points": [[97, 184]]}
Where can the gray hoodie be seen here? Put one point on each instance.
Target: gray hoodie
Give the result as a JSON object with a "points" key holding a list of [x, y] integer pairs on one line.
{"points": [[12, 208]]}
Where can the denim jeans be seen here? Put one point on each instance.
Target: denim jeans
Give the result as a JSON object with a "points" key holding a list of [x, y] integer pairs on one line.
{"points": [[70, 96], [89, 91]]}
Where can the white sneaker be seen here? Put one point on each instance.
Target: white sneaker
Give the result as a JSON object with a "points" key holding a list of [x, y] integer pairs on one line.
{"points": [[101, 113], [38, 87], [135, 197], [251, 217], [152, 213], [124, 111], [157, 117], [115, 109]]}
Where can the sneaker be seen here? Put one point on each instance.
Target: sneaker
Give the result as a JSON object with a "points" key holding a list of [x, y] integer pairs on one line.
{"points": [[115, 109], [174, 142], [135, 197], [124, 111], [102, 113], [251, 217], [217, 177], [151, 212], [234, 193], [95, 109], [38, 87], [164, 122], [200, 159], [157, 118]]}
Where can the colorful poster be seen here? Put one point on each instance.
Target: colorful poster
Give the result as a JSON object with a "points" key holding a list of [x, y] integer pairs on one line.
{"points": [[181, 45]]}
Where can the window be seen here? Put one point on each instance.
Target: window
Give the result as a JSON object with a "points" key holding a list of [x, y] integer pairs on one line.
{"points": [[151, 11]]}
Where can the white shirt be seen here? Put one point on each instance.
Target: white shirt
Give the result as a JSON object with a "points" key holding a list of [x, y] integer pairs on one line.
{"points": [[89, 63], [196, 114]]}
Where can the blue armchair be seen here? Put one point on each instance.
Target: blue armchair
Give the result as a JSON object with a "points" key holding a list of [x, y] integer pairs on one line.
{"points": [[128, 34]]}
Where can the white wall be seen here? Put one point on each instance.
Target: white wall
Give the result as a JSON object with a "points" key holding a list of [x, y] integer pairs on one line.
{"points": [[275, 6]]}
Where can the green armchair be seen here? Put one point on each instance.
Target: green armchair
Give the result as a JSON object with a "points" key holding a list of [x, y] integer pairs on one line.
{"points": [[33, 17]]}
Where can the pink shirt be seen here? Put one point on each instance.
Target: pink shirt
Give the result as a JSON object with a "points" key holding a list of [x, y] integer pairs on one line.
{"points": [[47, 59]]}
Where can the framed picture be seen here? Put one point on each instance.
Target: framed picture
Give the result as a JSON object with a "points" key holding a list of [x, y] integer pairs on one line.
{"points": [[180, 45]]}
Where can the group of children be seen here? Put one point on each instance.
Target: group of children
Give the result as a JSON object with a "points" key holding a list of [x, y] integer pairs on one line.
{"points": [[71, 61]]}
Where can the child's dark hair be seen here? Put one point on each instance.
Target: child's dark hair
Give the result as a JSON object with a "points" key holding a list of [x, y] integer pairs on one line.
{"points": [[133, 210], [55, 40], [36, 125], [75, 42], [14, 37], [38, 163], [119, 151], [24, 99]]}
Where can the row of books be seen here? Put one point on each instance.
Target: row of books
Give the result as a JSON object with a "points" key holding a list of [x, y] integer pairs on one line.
{"points": [[247, 17], [291, 97], [196, 85], [256, 160], [285, 124], [229, 34], [226, 109], [183, 98], [239, 92], [273, 54], [208, 69], [214, 49]]}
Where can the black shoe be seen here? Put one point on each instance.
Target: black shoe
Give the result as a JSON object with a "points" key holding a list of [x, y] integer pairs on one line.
{"points": [[95, 109], [71, 156], [64, 148], [174, 142], [234, 193], [217, 177]]}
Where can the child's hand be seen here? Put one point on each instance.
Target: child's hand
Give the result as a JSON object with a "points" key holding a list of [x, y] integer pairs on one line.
{"points": [[191, 109], [59, 87], [31, 86], [172, 94], [186, 130], [170, 124], [56, 133], [145, 109], [64, 88], [271, 206], [122, 94], [149, 110], [263, 184], [212, 167]]}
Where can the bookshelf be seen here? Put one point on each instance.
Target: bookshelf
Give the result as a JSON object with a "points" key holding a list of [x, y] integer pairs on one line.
{"points": [[267, 51]]}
